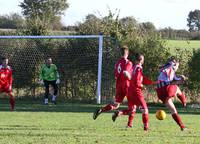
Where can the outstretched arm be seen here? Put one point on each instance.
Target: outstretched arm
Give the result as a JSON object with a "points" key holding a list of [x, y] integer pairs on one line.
{"points": [[128, 70], [148, 81]]}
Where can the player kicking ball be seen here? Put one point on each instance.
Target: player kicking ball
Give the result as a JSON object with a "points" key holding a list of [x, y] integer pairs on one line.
{"points": [[6, 81], [167, 88]]}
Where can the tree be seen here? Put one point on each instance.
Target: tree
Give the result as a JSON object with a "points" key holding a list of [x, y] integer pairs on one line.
{"points": [[11, 21], [41, 14], [148, 26], [139, 37], [194, 77], [92, 25], [194, 21]]}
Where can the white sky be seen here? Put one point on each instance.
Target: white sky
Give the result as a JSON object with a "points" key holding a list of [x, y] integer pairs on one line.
{"points": [[162, 13]]}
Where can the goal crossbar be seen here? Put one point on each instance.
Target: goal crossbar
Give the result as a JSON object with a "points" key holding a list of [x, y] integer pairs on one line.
{"points": [[50, 37]]}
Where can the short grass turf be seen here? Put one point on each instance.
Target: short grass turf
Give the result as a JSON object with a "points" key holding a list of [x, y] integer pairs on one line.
{"points": [[184, 44], [72, 123]]}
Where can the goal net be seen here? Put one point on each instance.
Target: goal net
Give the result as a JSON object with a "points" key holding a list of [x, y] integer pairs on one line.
{"points": [[85, 64]]}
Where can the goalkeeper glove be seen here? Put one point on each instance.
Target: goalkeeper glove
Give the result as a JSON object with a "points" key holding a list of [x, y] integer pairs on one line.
{"points": [[41, 82], [57, 81]]}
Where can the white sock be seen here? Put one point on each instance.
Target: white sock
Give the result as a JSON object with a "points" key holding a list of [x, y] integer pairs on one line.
{"points": [[53, 98], [46, 101]]}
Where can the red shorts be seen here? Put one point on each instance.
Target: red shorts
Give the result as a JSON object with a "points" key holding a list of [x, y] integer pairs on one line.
{"points": [[5, 88], [136, 99], [121, 92], [166, 92]]}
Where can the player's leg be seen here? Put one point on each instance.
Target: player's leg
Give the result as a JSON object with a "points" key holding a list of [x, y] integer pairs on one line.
{"points": [[130, 112], [145, 118], [11, 101], [131, 115], [8, 90], [55, 87], [119, 98], [108, 107], [170, 105], [145, 114], [46, 95], [181, 96], [111, 106]]}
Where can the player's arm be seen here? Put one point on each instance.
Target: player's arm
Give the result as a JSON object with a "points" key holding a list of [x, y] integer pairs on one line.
{"points": [[41, 75], [139, 78], [179, 79], [57, 75], [128, 70], [147, 81], [10, 79]]}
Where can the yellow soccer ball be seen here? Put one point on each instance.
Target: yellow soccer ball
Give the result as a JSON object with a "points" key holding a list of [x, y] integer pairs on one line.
{"points": [[160, 114]]}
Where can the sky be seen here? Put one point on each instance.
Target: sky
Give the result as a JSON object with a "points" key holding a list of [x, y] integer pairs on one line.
{"points": [[162, 13]]}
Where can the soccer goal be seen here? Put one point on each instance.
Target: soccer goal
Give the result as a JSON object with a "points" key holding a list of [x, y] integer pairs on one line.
{"points": [[85, 63]]}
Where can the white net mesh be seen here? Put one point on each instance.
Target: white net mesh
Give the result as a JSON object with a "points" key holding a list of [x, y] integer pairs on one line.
{"points": [[76, 59]]}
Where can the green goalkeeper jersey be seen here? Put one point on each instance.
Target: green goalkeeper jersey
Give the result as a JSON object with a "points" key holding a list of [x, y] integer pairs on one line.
{"points": [[49, 73]]}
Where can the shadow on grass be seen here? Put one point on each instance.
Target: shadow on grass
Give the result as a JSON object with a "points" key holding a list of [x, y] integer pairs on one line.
{"points": [[36, 105]]}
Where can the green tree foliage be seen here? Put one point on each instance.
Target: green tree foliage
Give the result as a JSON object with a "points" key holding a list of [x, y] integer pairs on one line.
{"points": [[194, 77], [194, 70], [182, 34], [92, 25], [139, 37], [42, 15], [194, 20], [11, 21], [148, 26]]}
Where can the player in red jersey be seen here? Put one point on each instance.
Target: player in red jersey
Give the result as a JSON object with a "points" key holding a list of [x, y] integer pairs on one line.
{"points": [[6, 81], [122, 67], [135, 96], [167, 88]]}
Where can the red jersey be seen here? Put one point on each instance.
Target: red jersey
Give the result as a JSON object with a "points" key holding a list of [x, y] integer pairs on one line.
{"points": [[121, 66], [5, 75], [138, 79], [135, 95]]}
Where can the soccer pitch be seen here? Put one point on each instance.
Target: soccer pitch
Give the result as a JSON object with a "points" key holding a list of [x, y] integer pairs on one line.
{"points": [[67, 123]]}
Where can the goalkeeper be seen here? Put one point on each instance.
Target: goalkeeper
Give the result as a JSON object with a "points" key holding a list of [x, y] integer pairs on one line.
{"points": [[49, 76]]}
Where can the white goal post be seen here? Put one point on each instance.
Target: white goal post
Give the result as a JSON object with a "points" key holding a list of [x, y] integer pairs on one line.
{"points": [[100, 47]]}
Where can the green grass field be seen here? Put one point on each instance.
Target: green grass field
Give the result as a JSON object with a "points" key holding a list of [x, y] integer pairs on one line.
{"points": [[67, 123], [187, 44]]}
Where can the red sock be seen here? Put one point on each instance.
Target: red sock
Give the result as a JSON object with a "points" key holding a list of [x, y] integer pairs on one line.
{"points": [[145, 120], [178, 120], [108, 108], [130, 119], [124, 112], [12, 102], [182, 98]]}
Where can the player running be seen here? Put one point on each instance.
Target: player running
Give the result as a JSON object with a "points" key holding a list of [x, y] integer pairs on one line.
{"points": [[49, 76], [123, 66], [6, 81], [135, 95], [167, 88]]}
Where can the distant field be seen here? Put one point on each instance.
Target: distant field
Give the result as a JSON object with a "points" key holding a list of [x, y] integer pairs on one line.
{"points": [[190, 44]]}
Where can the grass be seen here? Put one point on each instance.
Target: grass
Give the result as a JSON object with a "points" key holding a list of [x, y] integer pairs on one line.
{"points": [[72, 123], [186, 44]]}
